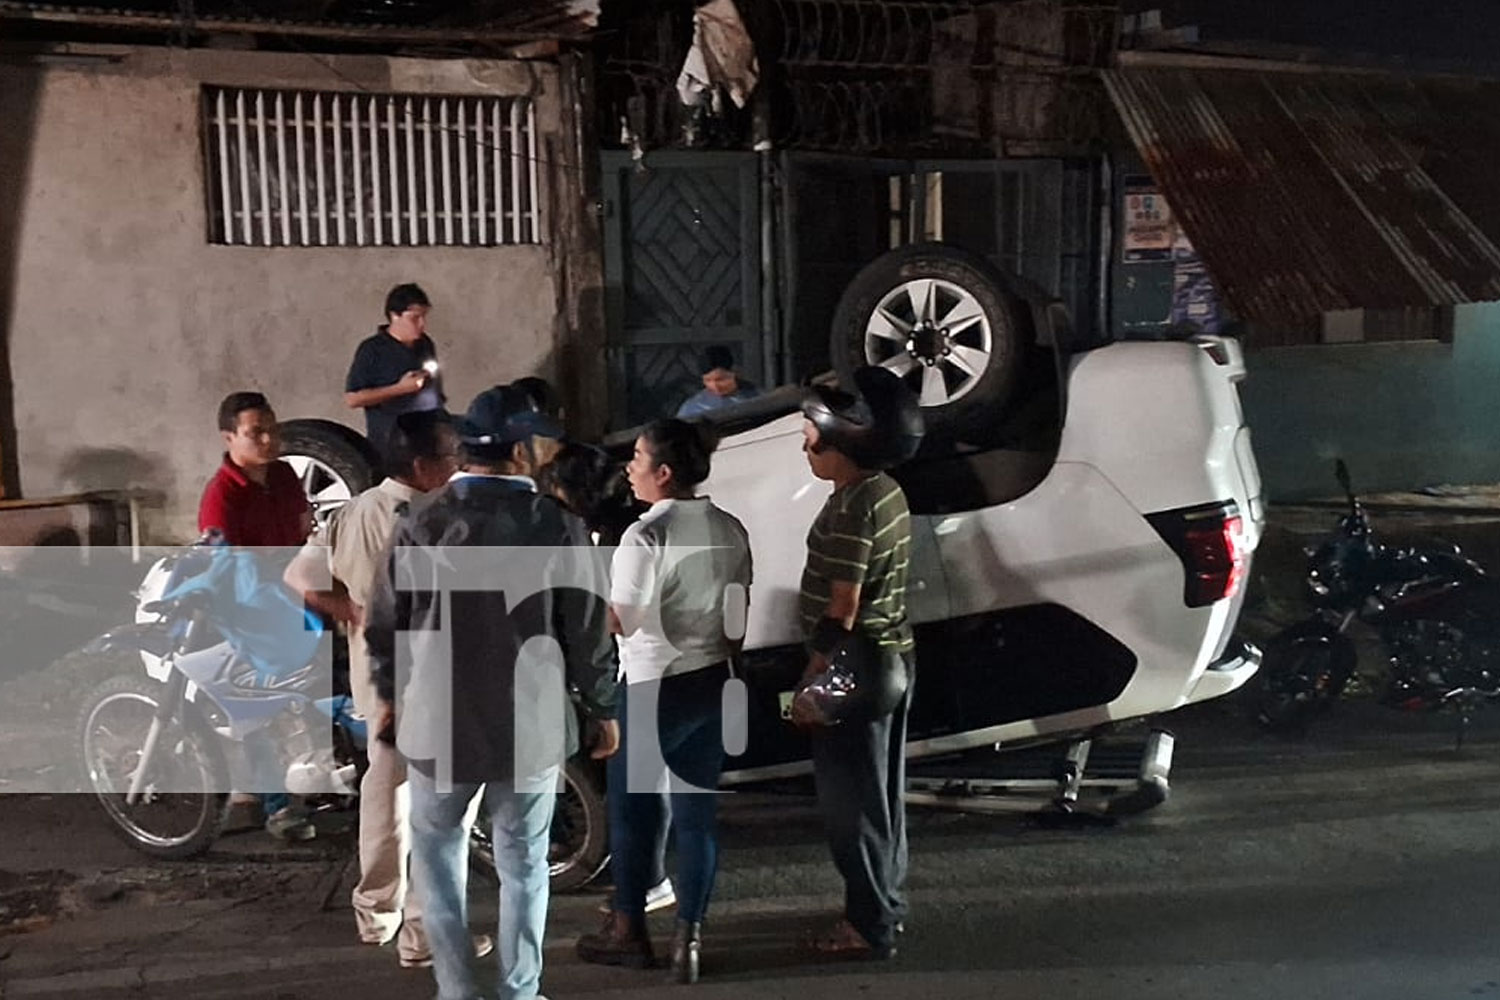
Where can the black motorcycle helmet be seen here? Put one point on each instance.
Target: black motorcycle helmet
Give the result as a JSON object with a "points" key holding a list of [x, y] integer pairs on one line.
{"points": [[860, 683], [879, 681], [879, 426]]}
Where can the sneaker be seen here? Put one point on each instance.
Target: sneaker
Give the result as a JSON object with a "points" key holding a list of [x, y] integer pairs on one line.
{"points": [[290, 823], [483, 945], [658, 897]]}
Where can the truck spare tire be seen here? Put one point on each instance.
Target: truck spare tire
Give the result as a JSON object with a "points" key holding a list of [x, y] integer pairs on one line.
{"points": [[334, 463], [944, 320]]}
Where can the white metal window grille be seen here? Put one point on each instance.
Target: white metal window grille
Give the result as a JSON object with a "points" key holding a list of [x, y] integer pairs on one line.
{"points": [[306, 168]]}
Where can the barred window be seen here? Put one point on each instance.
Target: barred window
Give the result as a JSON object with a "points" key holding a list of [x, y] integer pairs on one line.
{"points": [[307, 168]]}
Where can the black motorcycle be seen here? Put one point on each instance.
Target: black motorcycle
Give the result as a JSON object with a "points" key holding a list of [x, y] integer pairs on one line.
{"points": [[1435, 610]]}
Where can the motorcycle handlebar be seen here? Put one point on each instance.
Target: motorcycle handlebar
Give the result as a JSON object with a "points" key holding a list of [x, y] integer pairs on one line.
{"points": [[177, 606]]}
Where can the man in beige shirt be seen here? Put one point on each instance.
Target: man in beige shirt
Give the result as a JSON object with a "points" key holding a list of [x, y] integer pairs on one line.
{"points": [[422, 453]]}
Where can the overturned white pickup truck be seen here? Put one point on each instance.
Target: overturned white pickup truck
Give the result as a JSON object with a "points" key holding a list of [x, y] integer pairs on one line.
{"points": [[1083, 524], [1068, 573]]}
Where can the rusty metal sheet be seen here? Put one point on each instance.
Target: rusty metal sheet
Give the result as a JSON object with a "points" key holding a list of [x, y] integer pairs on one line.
{"points": [[421, 20], [1306, 192]]}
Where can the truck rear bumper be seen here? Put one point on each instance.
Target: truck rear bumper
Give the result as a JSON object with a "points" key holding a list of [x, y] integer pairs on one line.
{"points": [[1229, 672]]}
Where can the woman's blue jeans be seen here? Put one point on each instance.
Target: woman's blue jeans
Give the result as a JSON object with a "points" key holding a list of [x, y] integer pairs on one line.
{"points": [[689, 728]]}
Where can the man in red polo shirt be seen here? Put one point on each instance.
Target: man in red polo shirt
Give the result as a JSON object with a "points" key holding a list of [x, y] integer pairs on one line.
{"points": [[255, 499]]}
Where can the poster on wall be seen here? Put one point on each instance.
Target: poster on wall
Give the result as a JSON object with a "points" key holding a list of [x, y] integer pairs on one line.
{"points": [[1148, 228], [1195, 300]]}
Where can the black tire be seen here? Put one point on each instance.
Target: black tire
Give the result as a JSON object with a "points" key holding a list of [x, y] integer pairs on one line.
{"points": [[1003, 331], [198, 816], [580, 831], [1301, 675], [334, 462], [580, 827]]}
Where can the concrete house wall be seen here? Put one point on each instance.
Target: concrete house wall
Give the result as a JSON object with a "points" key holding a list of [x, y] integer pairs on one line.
{"points": [[125, 326], [1402, 414]]}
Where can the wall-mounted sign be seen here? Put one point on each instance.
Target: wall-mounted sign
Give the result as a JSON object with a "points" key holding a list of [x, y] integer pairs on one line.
{"points": [[1148, 227], [1195, 300]]}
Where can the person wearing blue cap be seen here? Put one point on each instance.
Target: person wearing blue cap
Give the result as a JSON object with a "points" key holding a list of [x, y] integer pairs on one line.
{"points": [[722, 385], [475, 711]]}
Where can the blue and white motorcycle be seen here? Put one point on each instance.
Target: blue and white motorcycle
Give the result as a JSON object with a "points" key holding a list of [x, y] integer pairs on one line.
{"points": [[235, 692], [229, 698]]}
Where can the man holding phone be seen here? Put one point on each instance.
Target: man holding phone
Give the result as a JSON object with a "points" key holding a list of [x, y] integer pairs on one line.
{"points": [[395, 370]]}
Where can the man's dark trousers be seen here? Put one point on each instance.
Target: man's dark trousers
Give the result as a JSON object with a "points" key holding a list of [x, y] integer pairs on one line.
{"points": [[860, 769]]}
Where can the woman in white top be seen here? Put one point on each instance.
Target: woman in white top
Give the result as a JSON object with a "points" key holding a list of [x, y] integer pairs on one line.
{"points": [[681, 578]]}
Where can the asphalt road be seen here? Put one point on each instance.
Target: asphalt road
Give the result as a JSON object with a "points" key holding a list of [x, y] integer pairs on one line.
{"points": [[1362, 861]]}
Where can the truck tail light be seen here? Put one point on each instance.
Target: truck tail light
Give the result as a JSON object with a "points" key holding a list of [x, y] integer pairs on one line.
{"points": [[1210, 541]]}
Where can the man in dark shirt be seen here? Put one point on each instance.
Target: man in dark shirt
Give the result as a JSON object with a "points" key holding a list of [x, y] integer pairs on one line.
{"points": [[395, 369], [255, 499]]}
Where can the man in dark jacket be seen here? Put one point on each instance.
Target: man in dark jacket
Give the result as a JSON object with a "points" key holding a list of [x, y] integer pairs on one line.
{"points": [[480, 571]]}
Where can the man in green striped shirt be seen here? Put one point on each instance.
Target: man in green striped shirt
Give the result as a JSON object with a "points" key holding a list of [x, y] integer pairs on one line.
{"points": [[862, 538], [855, 582]]}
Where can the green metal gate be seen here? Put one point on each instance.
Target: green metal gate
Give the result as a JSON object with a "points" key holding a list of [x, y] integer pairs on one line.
{"points": [[681, 271]]}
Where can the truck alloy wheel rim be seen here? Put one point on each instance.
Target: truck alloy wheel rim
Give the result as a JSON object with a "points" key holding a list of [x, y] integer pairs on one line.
{"points": [[935, 335], [326, 489]]}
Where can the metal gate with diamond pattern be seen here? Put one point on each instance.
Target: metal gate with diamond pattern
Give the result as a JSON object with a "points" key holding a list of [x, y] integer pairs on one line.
{"points": [[682, 271]]}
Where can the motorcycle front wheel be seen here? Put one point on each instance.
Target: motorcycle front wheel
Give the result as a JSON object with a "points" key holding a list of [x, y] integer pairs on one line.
{"points": [[184, 799], [1301, 675]]}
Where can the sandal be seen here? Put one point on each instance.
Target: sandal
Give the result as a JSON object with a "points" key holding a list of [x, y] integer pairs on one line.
{"points": [[842, 941]]}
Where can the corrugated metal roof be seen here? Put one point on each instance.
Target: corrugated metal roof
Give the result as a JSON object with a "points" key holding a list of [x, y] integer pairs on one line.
{"points": [[435, 20], [1309, 191]]}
